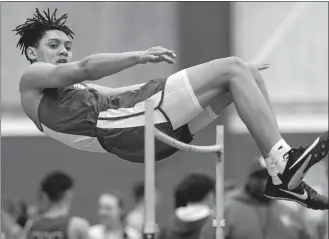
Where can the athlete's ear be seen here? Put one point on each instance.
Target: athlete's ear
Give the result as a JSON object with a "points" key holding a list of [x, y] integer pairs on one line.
{"points": [[31, 53]]}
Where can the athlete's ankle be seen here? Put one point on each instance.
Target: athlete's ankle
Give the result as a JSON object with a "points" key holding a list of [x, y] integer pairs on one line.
{"points": [[276, 154], [272, 171]]}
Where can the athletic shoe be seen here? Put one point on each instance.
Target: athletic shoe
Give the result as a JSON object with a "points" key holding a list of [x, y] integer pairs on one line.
{"points": [[300, 160], [302, 194]]}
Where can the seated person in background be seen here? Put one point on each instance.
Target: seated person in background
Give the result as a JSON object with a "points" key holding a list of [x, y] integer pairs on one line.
{"points": [[112, 220], [251, 215], [194, 204]]}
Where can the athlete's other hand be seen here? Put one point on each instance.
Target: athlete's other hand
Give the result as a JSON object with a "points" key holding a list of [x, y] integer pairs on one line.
{"points": [[157, 54]]}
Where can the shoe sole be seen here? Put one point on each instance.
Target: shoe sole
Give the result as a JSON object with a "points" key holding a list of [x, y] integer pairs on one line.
{"points": [[297, 178]]}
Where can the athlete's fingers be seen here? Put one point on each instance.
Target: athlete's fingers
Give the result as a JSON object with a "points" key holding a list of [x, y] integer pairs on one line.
{"points": [[163, 52], [153, 58], [168, 59], [169, 52], [263, 66]]}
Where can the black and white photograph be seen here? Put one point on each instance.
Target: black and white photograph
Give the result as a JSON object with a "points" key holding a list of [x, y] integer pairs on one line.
{"points": [[164, 120]]}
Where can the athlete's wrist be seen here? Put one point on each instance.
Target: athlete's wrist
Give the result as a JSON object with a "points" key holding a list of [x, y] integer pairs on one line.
{"points": [[142, 57]]}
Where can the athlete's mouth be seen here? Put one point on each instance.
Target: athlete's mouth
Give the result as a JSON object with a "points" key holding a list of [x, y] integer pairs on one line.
{"points": [[61, 61]]}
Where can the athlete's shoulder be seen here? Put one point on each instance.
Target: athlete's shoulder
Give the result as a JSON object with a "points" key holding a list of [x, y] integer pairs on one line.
{"points": [[32, 73], [36, 67]]}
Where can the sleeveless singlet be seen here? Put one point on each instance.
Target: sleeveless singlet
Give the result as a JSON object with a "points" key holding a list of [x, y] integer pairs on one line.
{"points": [[70, 115]]}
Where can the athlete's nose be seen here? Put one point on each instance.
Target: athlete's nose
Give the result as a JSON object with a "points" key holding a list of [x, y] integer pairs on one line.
{"points": [[63, 52]]}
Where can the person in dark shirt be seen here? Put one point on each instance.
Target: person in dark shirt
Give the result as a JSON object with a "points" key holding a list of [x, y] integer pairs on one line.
{"points": [[54, 220], [194, 209]]}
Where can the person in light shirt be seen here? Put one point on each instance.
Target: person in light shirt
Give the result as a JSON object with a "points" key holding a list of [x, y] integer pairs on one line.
{"points": [[112, 220]]}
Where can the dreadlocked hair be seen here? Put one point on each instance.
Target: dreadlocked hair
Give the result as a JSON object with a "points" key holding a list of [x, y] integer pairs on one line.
{"points": [[34, 29]]}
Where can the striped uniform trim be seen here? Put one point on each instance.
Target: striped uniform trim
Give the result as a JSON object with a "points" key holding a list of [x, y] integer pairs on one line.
{"points": [[130, 117]]}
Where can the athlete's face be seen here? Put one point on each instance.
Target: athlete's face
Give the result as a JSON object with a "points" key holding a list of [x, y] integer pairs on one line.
{"points": [[54, 47], [109, 209]]}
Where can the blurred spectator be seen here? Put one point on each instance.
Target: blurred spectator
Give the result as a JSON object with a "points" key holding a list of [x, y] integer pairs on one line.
{"points": [[230, 185], [135, 218], [112, 220], [17, 209], [251, 215], [56, 194], [9, 227], [194, 206]]}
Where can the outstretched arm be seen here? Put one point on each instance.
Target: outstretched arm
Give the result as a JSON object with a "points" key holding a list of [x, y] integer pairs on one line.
{"points": [[44, 75]]}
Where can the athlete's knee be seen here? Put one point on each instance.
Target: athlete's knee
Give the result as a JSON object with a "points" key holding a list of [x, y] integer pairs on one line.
{"points": [[252, 68], [238, 70], [228, 69], [231, 65]]}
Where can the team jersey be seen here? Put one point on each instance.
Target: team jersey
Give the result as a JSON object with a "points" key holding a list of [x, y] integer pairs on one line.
{"points": [[46, 228], [82, 118]]}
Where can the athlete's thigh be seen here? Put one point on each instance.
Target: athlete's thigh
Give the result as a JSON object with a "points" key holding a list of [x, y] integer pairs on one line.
{"points": [[210, 79], [181, 104], [210, 113]]}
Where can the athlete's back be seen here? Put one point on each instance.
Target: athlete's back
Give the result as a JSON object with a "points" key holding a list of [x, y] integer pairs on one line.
{"points": [[49, 228]]}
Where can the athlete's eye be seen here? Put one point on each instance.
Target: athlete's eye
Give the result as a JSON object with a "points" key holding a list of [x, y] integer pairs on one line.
{"points": [[68, 48], [53, 46]]}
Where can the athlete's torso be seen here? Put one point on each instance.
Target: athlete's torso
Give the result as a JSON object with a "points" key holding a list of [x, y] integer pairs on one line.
{"points": [[81, 118], [49, 228], [68, 114]]}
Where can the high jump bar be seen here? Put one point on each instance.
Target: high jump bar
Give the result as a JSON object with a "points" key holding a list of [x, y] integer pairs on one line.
{"points": [[149, 183]]}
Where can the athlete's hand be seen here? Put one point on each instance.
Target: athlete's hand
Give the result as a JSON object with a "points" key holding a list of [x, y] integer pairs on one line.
{"points": [[263, 66], [157, 54]]}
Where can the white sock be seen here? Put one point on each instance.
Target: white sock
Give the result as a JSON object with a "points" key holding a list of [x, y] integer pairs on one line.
{"points": [[276, 154], [272, 171]]}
